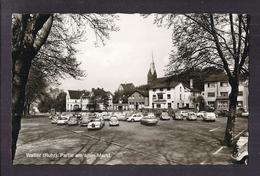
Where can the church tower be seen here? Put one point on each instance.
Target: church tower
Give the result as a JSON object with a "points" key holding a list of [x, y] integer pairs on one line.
{"points": [[152, 75]]}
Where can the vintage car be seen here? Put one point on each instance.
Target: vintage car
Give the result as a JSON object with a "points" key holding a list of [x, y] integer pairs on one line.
{"points": [[96, 123], [73, 120], [113, 121], [201, 114], [240, 153], [191, 116], [178, 117], [84, 120], [245, 114], [209, 116], [65, 115], [54, 120], [184, 114], [62, 121], [165, 116], [78, 115], [150, 119], [135, 117]]}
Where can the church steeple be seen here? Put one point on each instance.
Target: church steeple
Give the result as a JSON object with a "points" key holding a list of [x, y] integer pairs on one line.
{"points": [[152, 75]]}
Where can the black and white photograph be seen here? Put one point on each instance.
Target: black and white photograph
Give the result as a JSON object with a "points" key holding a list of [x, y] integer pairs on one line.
{"points": [[130, 89]]}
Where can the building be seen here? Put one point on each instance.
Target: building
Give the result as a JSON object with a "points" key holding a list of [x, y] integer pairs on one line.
{"points": [[138, 100], [76, 100], [217, 90], [166, 93], [120, 101]]}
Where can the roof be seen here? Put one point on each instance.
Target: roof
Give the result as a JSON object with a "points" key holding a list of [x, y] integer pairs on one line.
{"points": [[142, 92], [164, 82], [194, 89], [75, 94], [217, 78], [128, 86]]}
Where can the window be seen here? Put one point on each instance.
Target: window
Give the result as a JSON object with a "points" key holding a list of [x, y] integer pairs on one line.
{"points": [[154, 90], [211, 103], [211, 84], [180, 97], [211, 94], [168, 88], [168, 96], [161, 89], [158, 106], [160, 96], [224, 84], [154, 96], [180, 89], [240, 93], [224, 94], [169, 105]]}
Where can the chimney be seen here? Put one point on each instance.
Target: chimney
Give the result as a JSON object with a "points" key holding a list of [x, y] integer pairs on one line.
{"points": [[191, 83]]}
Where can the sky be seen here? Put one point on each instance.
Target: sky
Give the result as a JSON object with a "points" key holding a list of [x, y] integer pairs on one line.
{"points": [[125, 58]]}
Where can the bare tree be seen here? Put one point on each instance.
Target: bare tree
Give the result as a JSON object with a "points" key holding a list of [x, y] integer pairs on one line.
{"points": [[46, 42], [203, 40]]}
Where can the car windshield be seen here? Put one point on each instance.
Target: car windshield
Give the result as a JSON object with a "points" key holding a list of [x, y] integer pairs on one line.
{"points": [[113, 118], [73, 118]]}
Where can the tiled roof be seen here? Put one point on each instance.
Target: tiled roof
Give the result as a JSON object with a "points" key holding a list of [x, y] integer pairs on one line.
{"points": [[217, 78], [128, 86], [142, 92], [165, 82], [75, 94]]}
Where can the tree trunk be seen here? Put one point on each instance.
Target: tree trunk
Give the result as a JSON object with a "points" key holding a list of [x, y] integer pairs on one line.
{"points": [[20, 76], [25, 47], [229, 134]]}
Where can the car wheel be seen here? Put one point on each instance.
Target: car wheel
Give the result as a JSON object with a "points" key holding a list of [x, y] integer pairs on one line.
{"points": [[132, 120]]}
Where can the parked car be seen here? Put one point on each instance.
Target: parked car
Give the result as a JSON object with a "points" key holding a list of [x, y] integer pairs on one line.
{"points": [[62, 121], [113, 121], [84, 121], [192, 116], [165, 116], [73, 120], [96, 123], [241, 154], [78, 115], [65, 115], [178, 117], [184, 114], [135, 117], [54, 120], [150, 119], [209, 116], [201, 114]]}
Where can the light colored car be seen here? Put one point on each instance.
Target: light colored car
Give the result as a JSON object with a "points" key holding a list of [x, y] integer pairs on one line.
{"points": [[150, 119], [96, 123], [165, 116], [201, 114], [184, 114], [178, 117], [73, 120], [135, 117], [113, 121], [54, 120], [65, 115], [84, 120], [192, 116], [209, 116], [62, 121], [242, 154]]}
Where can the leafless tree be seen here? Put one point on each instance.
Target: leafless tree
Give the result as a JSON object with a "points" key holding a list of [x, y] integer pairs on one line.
{"points": [[203, 40], [46, 42]]}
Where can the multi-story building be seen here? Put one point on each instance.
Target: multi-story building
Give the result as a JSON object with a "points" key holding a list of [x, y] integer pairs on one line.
{"points": [[217, 90], [138, 100], [165, 93], [77, 100]]}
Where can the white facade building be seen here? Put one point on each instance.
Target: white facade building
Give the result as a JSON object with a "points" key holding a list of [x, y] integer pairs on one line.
{"points": [[217, 90]]}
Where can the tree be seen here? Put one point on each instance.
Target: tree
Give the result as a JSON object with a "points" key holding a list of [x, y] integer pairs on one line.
{"points": [[203, 40], [35, 88], [31, 47], [60, 103]]}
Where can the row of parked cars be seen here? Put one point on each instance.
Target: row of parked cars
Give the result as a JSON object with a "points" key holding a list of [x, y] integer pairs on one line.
{"points": [[96, 120]]}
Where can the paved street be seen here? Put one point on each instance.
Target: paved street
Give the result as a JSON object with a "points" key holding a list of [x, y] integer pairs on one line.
{"points": [[170, 142]]}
